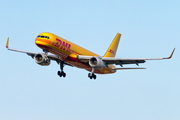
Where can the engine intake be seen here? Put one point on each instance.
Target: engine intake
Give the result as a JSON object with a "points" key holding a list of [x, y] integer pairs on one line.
{"points": [[42, 59], [96, 62]]}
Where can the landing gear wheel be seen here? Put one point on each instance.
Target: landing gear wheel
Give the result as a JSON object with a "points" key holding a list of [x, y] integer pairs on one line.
{"points": [[58, 72], [61, 74], [94, 76], [91, 75], [64, 74]]}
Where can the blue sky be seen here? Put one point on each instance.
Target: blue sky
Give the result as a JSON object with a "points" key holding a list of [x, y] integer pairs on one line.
{"points": [[149, 29]]}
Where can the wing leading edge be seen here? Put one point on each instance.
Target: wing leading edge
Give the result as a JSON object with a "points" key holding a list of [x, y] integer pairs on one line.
{"points": [[122, 61], [32, 54]]}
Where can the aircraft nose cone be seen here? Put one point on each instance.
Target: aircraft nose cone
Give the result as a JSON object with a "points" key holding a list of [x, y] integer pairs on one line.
{"points": [[42, 43]]}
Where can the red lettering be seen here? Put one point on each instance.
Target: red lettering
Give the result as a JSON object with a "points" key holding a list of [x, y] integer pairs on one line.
{"points": [[68, 48], [58, 43], [112, 52], [62, 45]]}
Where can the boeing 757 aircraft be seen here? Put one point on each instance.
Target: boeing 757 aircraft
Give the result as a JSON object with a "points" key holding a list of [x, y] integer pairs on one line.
{"points": [[65, 52]]}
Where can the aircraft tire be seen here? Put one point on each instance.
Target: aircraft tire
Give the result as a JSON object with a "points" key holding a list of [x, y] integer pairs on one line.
{"points": [[94, 76], [89, 74], [58, 72], [63, 74]]}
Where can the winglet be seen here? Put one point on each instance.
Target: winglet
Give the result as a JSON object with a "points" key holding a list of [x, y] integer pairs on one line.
{"points": [[170, 55], [7, 43]]}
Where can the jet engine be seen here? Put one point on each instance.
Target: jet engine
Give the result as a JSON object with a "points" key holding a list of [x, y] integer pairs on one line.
{"points": [[96, 62], [42, 59]]}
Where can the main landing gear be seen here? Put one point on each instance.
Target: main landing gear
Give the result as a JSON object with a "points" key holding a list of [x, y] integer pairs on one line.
{"points": [[61, 73], [92, 75]]}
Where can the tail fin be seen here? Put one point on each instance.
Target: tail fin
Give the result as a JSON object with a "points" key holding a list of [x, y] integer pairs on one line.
{"points": [[111, 51]]}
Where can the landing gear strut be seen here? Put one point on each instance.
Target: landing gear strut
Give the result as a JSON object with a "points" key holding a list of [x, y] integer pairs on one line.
{"points": [[61, 73], [92, 75]]}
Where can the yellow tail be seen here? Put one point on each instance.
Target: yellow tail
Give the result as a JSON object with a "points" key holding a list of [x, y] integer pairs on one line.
{"points": [[111, 51]]}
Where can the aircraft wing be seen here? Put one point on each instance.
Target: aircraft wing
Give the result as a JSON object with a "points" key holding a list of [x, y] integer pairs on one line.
{"points": [[32, 54], [122, 61]]}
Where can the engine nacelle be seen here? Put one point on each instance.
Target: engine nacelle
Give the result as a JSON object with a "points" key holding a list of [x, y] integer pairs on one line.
{"points": [[42, 59], [96, 62]]}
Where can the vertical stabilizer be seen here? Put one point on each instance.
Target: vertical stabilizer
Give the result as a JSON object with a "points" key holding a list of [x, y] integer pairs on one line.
{"points": [[111, 51]]}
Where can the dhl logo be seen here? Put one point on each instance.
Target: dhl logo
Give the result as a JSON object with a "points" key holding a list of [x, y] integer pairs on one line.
{"points": [[111, 51], [62, 45]]}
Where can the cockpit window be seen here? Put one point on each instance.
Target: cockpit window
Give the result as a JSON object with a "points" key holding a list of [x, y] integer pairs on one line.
{"points": [[42, 36]]}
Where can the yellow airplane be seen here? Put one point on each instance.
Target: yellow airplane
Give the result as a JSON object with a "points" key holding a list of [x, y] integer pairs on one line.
{"points": [[65, 52]]}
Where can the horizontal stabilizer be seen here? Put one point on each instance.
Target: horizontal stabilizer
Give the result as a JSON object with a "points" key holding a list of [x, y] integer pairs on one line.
{"points": [[127, 68]]}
